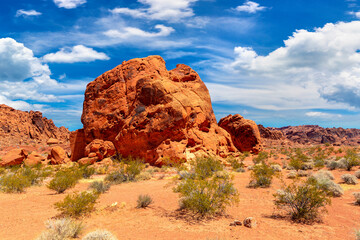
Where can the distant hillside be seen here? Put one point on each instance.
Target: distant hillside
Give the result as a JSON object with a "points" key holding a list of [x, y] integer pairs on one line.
{"points": [[312, 134], [19, 127]]}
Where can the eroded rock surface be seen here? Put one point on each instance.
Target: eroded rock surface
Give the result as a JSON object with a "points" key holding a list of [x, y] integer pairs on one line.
{"points": [[19, 127], [244, 133], [150, 112]]}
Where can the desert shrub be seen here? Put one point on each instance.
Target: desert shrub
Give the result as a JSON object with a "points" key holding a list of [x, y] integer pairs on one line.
{"points": [[357, 234], [349, 179], [303, 201], [99, 186], [36, 175], [59, 229], [63, 180], [236, 163], [14, 183], [261, 157], [127, 172], [261, 176], [206, 167], [87, 171], [351, 159], [332, 165], [295, 163], [100, 235], [292, 175], [276, 167], [307, 166], [240, 170], [303, 173], [323, 180], [143, 201], [143, 176], [207, 190], [357, 198], [357, 174], [77, 204]]}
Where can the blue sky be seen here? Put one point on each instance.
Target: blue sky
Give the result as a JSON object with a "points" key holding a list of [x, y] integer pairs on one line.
{"points": [[277, 62]]}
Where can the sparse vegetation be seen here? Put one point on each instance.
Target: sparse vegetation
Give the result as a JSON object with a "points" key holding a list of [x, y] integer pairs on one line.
{"points": [[100, 186], [303, 201], [351, 160], [261, 175], [127, 172], [100, 235], [58, 229], [143, 201], [63, 180], [77, 204], [207, 189], [349, 179], [14, 183], [357, 198], [323, 179]]}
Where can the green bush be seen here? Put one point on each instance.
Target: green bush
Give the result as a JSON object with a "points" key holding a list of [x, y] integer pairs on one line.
{"points": [[332, 165], [100, 186], [77, 204], [302, 201], [296, 163], [14, 183], [143, 201], [357, 234], [36, 175], [87, 171], [127, 173], [351, 160], [261, 157], [100, 235], [261, 176], [206, 189], [63, 180], [236, 163], [61, 229]]}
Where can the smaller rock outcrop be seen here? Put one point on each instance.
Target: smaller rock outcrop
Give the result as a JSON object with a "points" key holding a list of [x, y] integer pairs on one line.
{"points": [[34, 159], [14, 157], [244, 133], [58, 156], [270, 133], [100, 149]]}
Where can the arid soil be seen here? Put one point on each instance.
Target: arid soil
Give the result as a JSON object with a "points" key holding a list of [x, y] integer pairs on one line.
{"points": [[23, 215]]}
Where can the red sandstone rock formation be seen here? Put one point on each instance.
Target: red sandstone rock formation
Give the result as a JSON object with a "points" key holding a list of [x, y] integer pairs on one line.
{"points": [[313, 134], [58, 156], [14, 157], [270, 133], [244, 133], [19, 127], [150, 112]]}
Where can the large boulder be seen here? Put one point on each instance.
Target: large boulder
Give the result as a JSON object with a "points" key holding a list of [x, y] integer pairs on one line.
{"points": [[58, 156], [150, 112], [77, 144], [244, 133], [14, 157]]}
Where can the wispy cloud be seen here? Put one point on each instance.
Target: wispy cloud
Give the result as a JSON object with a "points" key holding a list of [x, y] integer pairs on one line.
{"points": [[250, 7], [160, 10], [322, 115], [22, 12], [78, 53], [69, 4], [131, 32]]}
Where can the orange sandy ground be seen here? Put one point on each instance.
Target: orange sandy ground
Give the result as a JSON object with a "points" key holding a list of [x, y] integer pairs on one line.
{"points": [[22, 216]]}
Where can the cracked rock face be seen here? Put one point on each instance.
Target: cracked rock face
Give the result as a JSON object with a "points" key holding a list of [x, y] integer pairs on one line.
{"points": [[152, 113]]}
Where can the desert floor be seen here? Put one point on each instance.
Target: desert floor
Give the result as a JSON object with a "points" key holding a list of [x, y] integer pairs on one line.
{"points": [[23, 215]]}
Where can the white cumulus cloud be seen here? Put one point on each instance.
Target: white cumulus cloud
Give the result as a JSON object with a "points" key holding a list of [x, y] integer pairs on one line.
{"points": [[22, 12], [325, 63], [250, 7], [69, 4], [160, 10], [131, 32], [78, 53]]}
